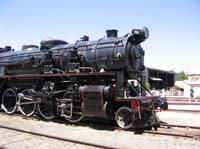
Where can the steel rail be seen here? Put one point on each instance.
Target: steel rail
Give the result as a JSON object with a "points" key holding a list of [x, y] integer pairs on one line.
{"points": [[172, 134], [181, 126], [56, 137]]}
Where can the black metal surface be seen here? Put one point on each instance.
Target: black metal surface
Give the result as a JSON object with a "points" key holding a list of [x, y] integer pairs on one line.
{"points": [[79, 66], [93, 102], [109, 53]]}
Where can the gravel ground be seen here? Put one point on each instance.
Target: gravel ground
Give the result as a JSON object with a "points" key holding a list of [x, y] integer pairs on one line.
{"points": [[114, 138], [181, 118], [13, 139]]}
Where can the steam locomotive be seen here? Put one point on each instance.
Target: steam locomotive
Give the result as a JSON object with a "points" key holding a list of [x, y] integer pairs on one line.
{"points": [[93, 79]]}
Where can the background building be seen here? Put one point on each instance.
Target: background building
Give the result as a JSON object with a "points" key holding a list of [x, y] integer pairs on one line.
{"points": [[193, 81], [160, 79]]}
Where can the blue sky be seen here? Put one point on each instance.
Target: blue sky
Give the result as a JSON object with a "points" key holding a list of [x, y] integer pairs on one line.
{"points": [[174, 25]]}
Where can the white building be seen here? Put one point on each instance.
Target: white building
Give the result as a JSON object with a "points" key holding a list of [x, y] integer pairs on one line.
{"points": [[196, 88], [193, 81]]}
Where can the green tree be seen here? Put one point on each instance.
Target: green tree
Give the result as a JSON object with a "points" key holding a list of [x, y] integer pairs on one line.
{"points": [[182, 76], [148, 86]]}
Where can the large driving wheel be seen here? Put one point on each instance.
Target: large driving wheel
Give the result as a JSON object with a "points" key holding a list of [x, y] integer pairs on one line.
{"points": [[77, 114], [123, 117], [27, 103], [9, 101], [45, 109]]}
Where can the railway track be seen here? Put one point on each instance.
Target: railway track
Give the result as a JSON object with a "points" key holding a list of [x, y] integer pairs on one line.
{"points": [[183, 133], [56, 137], [180, 126], [163, 130], [173, 134]]}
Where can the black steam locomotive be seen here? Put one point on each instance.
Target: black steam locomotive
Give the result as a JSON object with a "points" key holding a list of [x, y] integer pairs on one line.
{"points": [[84, 79]]}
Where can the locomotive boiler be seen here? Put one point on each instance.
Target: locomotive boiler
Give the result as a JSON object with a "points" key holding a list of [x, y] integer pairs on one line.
{"points": [[85, 79]]}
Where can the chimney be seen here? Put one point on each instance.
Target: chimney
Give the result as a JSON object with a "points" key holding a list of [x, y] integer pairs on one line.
{"points": [[111, 33]]}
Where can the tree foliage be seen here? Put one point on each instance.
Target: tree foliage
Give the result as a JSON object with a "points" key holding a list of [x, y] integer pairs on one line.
{"points": [[182, 76], [148, 86]]}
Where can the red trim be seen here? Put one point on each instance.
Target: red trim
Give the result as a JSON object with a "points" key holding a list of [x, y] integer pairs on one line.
{"points": [[139, 98], [135, 102], [132, 105], [59, 75], [136, 105]]}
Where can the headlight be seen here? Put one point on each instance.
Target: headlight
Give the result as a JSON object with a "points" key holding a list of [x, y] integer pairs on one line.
{"points": [[146, 32], [139, 35]]}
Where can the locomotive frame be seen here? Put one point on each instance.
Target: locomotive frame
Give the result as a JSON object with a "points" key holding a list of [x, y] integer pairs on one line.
{"points": [[85, 79], [131, 104]]}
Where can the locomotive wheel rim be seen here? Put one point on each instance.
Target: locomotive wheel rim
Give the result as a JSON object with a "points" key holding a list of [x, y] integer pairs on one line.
{"points": [[76, 117], [9, 101], [123, 117], [45, 112], [27, 109]]}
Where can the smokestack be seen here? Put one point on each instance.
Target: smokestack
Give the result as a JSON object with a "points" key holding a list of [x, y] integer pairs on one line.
{"points": [[111, 33]]}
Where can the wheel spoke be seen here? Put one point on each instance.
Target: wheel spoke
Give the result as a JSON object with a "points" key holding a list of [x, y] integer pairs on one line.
{"points": [[26, 102]]}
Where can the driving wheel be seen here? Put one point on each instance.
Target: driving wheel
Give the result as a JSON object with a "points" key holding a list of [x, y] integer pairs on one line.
{"points": [[9, 101], [27, 102]]}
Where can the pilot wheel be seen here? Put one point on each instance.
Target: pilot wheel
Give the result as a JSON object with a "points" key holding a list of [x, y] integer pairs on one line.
{"points": [[123, 117]]}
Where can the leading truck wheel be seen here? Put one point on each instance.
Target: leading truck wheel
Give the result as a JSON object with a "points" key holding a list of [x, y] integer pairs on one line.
{"points": [[9, 101], [123, 117]]}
